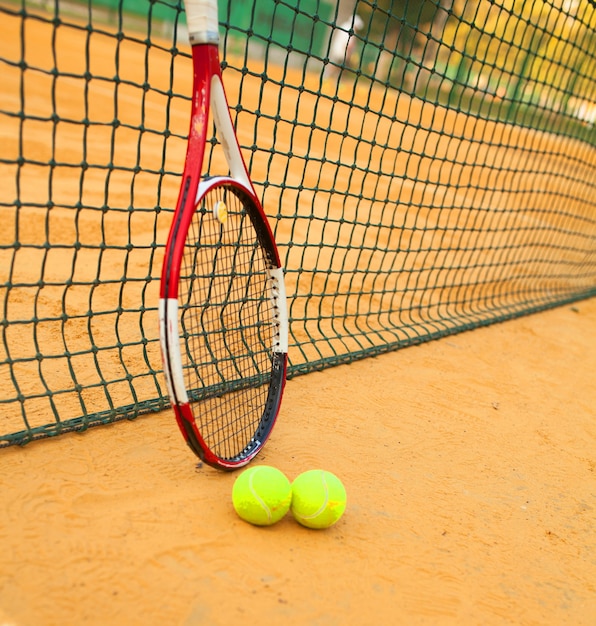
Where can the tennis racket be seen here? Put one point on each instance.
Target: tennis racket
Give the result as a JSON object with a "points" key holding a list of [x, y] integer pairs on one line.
{"points": [[222, 310]]}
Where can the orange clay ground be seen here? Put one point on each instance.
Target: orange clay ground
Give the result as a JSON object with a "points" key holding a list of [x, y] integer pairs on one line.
{"points": [[469, 466]]}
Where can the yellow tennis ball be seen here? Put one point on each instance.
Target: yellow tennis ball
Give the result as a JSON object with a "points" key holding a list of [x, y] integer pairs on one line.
{"points": [[262, 495], [318, 499]]}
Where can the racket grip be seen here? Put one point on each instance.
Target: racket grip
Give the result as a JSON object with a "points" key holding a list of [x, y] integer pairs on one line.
{"points": [[202, 20]]}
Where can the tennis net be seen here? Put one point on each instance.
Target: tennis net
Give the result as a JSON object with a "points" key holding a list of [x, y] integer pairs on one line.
{"points": [[428, 167]]}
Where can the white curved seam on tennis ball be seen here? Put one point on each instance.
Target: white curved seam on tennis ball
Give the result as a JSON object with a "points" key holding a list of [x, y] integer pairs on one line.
{"points": [[257, 496], [324, 505]]}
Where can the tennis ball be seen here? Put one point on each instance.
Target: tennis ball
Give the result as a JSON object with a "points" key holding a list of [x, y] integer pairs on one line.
{"points": [[262, 495], [318, 499]]}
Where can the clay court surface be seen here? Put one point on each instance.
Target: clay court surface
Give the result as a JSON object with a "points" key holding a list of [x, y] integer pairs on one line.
{"points": [[468, 461], [469, 466]]}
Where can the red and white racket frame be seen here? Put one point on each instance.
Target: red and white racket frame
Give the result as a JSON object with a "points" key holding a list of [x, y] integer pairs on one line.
{"points": [[209, 96]]}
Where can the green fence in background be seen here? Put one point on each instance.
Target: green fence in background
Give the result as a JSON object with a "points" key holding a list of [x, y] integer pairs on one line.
{"points": [[289, 25]]}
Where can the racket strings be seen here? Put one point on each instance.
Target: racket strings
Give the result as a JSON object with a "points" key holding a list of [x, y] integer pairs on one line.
{"points": [[227, 323]]}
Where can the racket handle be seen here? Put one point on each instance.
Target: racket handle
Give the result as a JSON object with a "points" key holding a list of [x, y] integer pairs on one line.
{"points": [[202, 20]]}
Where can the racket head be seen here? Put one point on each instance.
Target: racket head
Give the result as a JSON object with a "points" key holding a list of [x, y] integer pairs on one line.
{"points": [[224, 324]]}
